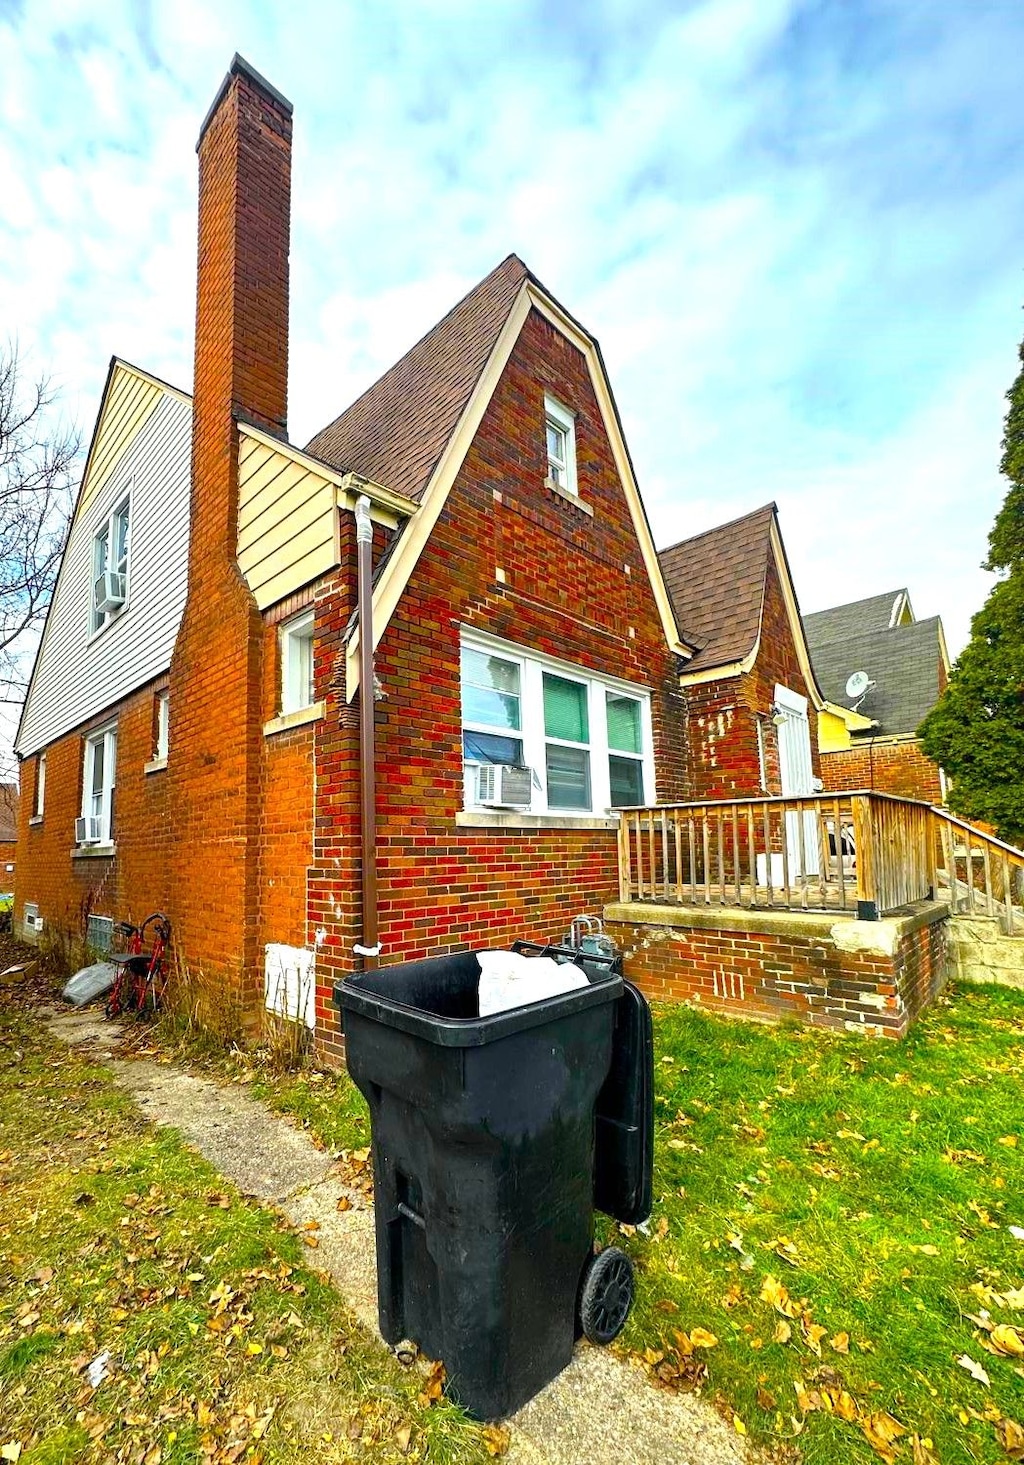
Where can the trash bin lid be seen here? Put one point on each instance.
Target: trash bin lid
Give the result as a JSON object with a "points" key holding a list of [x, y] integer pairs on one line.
{"points": [[624, 1114]]}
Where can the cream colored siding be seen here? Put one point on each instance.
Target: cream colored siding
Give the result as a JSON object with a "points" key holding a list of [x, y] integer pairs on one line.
{"points": [[131, 401], [287, 522], [144, 453]]}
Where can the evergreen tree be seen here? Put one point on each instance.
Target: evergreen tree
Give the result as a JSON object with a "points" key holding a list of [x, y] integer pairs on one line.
{"points": [[976, 730]]}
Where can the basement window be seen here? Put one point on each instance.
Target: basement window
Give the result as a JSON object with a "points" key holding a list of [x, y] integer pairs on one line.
{"points": [[297, 691], [560, 428]]}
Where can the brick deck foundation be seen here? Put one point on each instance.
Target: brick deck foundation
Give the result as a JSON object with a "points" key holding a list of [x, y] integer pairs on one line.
{"points": [[826, 970]]}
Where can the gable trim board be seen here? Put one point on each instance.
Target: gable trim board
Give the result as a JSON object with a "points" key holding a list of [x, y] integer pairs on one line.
{"points": [[740, 668], [400, 566], [115, 669]]}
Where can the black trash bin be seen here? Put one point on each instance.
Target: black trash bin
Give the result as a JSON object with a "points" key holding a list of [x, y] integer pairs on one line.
{"points": [[485, 1165]]}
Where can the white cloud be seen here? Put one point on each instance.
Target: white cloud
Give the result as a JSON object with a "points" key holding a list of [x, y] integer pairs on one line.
{"points": [[793, 227]]}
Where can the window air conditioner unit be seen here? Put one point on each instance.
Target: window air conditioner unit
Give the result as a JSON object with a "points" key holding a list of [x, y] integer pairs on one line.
{"points": [[88, 829], [108, 591], [503, 786]]}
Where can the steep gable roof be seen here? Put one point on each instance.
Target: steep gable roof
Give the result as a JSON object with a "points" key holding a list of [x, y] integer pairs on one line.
{"points": [[874, 613], [716, 581], [902, 661], [411, 430], [396, 432]]}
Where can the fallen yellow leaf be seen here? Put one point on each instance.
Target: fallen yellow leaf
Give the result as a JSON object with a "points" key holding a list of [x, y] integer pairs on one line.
{"points": [[1009, 1140], [922, 1451], [496, 1439], [773, 1291], [882, 1431], [783, 1332], [1007, 1340], [840, 1343], [738, 1425], [1011, 1437], [11, 1451], [701, 1338]]}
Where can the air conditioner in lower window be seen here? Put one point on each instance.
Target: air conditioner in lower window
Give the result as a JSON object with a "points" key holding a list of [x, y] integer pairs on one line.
{"points": [[88, 829], [504, 786], [108, 590]]}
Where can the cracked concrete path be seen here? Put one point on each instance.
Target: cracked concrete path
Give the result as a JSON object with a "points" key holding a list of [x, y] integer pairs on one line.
{"points": [[599, 1411]]}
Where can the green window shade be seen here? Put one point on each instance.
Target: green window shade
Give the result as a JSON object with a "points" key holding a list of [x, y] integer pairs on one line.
{"points": [[565, 710], [568, 777], [627, 781], [624, 723]]}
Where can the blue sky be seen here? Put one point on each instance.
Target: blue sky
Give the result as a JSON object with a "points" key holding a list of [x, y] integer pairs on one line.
{"points": [[796, 229]]}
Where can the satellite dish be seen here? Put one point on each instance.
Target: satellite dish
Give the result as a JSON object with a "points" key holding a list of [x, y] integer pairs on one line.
{"points": [[857, 685]]}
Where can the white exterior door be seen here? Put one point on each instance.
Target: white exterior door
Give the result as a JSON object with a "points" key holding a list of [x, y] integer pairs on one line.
{"points": [[797, 774]]}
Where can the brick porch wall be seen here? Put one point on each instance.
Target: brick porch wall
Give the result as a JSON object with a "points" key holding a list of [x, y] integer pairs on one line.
{"points": [[772, 965], [891, 767]]}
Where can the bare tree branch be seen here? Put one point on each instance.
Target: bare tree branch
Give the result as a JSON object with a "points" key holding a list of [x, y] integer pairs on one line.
{"points": [[38, 457]]}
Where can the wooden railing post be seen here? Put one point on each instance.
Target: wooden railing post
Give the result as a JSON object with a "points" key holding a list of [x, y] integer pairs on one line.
{"points": [[864, 846], [625, 883]]}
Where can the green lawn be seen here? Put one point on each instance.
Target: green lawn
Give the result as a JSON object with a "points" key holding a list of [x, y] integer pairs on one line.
{"points": [[220, 1342], [833, 1210]]}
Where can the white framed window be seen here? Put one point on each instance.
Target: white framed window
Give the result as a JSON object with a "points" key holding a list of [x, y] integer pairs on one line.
{"points": [[163, 725], [577, 743], [297, 691], [110, 565], [97, 823], [39, 792], [560, 430]]}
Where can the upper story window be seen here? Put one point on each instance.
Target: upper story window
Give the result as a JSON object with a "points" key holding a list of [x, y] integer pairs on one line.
{"points": [[97, 822], [297, 689], [550, 739], [110, 566], [560, 426]]}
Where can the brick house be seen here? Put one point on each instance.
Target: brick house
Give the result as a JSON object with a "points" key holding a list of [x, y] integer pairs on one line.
{"points": [[192, 735], [870, 740], [752, 701]]}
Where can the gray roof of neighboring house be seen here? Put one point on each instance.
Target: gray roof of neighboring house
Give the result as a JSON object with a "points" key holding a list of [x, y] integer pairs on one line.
{"points": [[875, 613], [903, 661]]}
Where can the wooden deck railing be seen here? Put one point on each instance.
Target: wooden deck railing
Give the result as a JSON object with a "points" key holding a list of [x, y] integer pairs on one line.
{"points": [[862, 852]]}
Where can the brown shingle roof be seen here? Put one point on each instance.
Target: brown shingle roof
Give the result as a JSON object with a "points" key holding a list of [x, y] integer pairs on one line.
{"points": [[716, 581], [397, 430]]}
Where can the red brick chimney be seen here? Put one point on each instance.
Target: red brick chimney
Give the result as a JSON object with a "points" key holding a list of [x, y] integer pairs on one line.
{"points": [[241, 372]]}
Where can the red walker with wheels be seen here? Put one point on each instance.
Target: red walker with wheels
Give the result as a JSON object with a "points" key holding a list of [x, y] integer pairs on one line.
{"points": [[141, 977]]}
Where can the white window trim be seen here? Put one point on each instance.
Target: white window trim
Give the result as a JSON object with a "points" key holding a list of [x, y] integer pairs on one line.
{"points": [[532, 666], [293, 630], [109, 616], [108, 736], [39, 795], [566, 421]]}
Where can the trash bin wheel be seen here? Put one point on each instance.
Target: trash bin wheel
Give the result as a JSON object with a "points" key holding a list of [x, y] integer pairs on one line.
{"points": [[606, 1295]]}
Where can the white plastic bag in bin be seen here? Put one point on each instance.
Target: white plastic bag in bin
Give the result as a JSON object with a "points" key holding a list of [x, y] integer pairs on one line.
{"points": [[509, 979]]}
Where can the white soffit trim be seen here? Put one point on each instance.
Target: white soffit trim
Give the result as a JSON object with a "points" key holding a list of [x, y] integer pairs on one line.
{"points": [[399, 568]]}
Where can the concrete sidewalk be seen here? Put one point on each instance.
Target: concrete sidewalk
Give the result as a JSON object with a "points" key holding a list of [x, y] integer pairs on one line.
{"points": [[599, 1411]]}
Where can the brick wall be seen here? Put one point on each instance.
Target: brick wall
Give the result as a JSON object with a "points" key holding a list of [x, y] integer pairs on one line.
{"points": [[215, 769], [128, 886], [723, 715], [890, 767], [566, 592], [801, 972]]}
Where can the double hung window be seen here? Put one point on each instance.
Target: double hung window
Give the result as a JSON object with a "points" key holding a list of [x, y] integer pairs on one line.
{"points": [[110, 566], [98, 786], [297, 691], [584, 743], [560, 428]]}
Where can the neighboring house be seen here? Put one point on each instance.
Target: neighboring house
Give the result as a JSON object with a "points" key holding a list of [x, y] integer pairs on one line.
{"points": [[752, 703], [191, 738], [8, 835], [869, 739]]}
